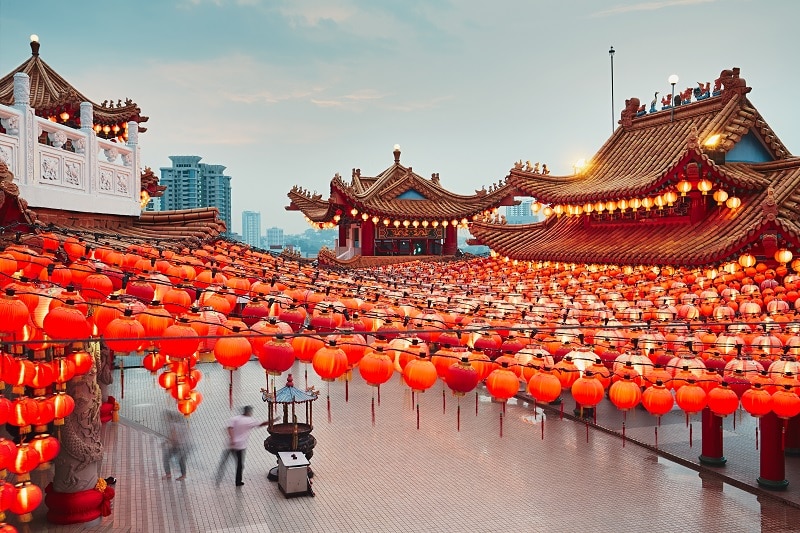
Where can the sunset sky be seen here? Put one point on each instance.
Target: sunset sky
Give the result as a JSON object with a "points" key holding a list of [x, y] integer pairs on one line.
{"points": [[286, 92]]}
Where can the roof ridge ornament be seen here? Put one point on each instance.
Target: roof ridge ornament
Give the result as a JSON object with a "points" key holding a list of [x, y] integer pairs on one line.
{"points": [[692, 141], [770, 206]]}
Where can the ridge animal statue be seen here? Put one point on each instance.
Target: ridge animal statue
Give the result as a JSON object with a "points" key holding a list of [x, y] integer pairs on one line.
{"points": [[686, 96], [653, 102], [666, 101]]}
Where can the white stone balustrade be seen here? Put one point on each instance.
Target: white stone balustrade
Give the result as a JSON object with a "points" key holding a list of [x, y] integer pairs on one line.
{"points": [[76, 170]]}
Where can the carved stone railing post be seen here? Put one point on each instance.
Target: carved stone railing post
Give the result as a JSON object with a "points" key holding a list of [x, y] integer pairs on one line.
{"points": [[27, 129], [133, 144]]}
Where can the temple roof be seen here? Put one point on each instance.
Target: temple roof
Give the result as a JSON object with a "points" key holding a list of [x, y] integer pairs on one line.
{"points": [[51, 94], [648, 154], [646, 148], [398, 192]]}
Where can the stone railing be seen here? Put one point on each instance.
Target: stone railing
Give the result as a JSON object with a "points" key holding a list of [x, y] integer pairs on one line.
{"points": [[58, 167]]}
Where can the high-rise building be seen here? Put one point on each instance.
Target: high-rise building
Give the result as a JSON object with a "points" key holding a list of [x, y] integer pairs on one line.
{"points": [[275, 239], [192, 184], [251, 228], [522, 214]]}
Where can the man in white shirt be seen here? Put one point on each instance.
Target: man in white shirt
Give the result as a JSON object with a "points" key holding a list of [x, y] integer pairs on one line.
{"points": [[239, 428]]}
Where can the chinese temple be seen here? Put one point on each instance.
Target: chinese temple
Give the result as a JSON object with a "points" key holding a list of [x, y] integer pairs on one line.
{"points": [[701, 180], [397, 213]]}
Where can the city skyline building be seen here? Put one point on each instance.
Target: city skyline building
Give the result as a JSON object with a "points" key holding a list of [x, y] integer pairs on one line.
{"points": [[192, 184], [251, 228], [522, 213], [274, 238]]}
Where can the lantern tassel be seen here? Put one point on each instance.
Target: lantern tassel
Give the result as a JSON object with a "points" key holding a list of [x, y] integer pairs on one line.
{"points": [[656, 428], [458, 416], [587, 431], [230, 390], [623, 431], [444, 402], [373, 411], [690, 435], [413, 394], [734, 420], [783, 435], [122, 379], [501, 424], [535, 414], [476, 403], [687, 419], [346, 390], [542, 426], [417, 416], [759, 423], [305, 371], [379, 394], [561, 414]]}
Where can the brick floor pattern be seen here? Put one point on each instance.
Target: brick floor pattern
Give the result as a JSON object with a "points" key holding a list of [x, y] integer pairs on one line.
{"points": [[393, 477]]}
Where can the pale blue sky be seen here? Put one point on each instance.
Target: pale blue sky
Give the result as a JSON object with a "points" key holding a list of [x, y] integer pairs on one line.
{"points": [[291, 92]]}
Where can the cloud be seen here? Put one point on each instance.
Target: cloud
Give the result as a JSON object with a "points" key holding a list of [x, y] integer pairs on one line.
{"points": [[311, 13], [648, 6]]}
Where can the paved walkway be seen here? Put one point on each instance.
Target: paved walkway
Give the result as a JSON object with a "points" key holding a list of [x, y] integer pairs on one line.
{"points": [[394, 477]]}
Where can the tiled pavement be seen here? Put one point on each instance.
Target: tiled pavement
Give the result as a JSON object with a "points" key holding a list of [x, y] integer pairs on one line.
{"points": [[394, 477]]}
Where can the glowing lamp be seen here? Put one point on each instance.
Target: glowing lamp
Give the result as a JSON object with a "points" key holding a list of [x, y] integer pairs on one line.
{"points": [[720, 196], [354, 211], [535, 207], [684, 186], [396, 223], [415, 223], [364, 216], [670, 197], [733, 202], [647, 203], [406, 223], [375, 219], [783, 256], [747, 260], [704, 186]]}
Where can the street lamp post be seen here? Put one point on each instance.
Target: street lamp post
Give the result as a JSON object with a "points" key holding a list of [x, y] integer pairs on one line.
{"points": [[673, 79]]}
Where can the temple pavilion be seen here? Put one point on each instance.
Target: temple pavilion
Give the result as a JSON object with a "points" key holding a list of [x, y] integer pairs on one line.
{"points": [[699, 181], [396, 214]]}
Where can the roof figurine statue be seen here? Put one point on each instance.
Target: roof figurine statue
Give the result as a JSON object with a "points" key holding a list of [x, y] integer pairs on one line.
{"points": [[653, 103]]}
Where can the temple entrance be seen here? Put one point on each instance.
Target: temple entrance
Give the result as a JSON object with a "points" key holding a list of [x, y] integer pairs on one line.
{"points": [[408, 247]]}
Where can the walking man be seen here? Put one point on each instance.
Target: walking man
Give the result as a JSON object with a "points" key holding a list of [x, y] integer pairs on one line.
{"points": [[239, 428], [177, 444]]}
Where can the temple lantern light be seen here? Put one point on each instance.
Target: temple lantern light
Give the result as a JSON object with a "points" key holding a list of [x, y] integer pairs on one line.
{"points": [[783, 256], [622, 205], [535, 207], [396, 223], [454, 222], [406, 223], [386, 221], [611, 206], [558, 209], [588, 208], [435, 223], [720, 196], [364, 217], [445, 223], [670, 197], [354, 211], [548, 211], [796, 265], [600, 207], [747, 260], [647, 203], [684, 186], [106, 129], [375, 219], [424, 223], [464, 221], [659, 201], [712, 273], [733, 202], [337, 218], [635, 203], [704, 186], [415, 223], [64, 116]]}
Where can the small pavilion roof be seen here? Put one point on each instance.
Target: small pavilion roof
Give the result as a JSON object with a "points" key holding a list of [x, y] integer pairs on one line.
{"points": [[399, 192], [51, 93]]}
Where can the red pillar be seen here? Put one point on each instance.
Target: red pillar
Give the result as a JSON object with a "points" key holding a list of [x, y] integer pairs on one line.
{"points": [[367, 238], [712, 439], [343, 234], [792, 436], [773, 467], [450, 240]]}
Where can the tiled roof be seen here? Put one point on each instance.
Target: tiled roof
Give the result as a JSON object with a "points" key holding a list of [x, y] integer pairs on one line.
{"points": [[398, 192], [640, 157], [50, 92]]}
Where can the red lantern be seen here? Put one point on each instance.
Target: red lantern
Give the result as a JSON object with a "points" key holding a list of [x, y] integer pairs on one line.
{"points": [[544, 386], [44, 415], [177, 301], [66, 322], [5, 409], [329, 362], [29, 496], [104, 314], [461, 377], [658, 399], [276, 356], [25, 461], [587, 391], [566, 372], [502, 384], [153, 361], [63, 406], [189, 406], [123, 334], [155, 320], [179, 340], [294, 316], [13, 313], [481, 363], [786, 403], [167, 380], [305, 346], [722, 400], [691, 397], [8, 494], [47, 447], [8, 452], [96, 287], [353, 345], [376, 367], [757, 401], [420, 374], [83, 361], [625, 394], [233, 351], [64, 370], [23, 413]]}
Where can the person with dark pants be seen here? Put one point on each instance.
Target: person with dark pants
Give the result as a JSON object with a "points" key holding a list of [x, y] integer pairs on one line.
{"points": [[239, 428]]}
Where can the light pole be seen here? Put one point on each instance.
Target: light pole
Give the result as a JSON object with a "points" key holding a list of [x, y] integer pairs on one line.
{"points": [[611, 55], [673, 79]]}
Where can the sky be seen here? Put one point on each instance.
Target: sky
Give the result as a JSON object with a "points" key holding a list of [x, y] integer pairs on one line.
{"points": [[290, 92]]}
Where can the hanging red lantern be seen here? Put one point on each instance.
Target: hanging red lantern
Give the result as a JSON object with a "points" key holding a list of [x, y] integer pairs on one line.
{"points": [[481, 363], [8, 266], [47, 447], [181, 390], [155, 320], [167, 379], [23, 413], [190, 405], [141, 289], [352, 344], [587, 391], [420, 374], [502, 383], [96, 287], [25, 461], [545, 386], [178, 340], [461, 377], [66, 322], [29, 496], [17, 372], [566, 372], [756, 401], [233, 351], [5, 409], [329, 362], [63, 406], [376, 367], [306, 345], [105, 313], [177, 301], [276, 356], [64, 370], [786, 403], [691, 397], [13, 313], [123, 335], [83, 361], [625, 394], [8, 494], [74, 247], [153, 361], [44, 414], [722, 400], [443, 359], [8, 452], [657, 399], [294, 316]]}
